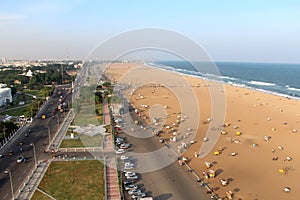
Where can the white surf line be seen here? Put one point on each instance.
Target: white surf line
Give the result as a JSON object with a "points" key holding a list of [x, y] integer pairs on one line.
{"points": [[45, 194]]}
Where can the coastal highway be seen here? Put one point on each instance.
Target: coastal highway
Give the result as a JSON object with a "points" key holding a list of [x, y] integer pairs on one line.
{"points": [[38, 135]]}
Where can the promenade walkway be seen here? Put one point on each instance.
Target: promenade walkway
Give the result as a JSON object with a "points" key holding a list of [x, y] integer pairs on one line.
{"points": [[112, 183], [33, 181]]}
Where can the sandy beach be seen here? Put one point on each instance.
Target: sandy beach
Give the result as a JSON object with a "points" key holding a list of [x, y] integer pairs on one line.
{"points": [[258, 154]]}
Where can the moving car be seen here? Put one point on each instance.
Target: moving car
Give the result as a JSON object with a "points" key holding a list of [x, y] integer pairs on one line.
{"points": [[10, 153], [21, 159]]}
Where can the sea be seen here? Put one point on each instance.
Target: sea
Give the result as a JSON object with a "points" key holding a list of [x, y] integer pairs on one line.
{"points": [[277, 78]]}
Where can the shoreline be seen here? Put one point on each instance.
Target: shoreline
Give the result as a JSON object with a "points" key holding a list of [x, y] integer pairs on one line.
{"points": [[256, 115], [226, 83]]}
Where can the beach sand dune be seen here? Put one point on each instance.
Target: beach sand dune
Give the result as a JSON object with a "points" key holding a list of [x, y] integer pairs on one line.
{"points": [[260, 153]]}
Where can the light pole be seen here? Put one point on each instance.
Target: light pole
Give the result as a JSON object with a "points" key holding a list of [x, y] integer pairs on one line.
{"points": [[49, 135], [7, 171], [34, 154], [57, 119]]}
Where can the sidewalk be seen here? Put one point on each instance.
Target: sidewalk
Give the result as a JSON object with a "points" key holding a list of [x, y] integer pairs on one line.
{"points": [[33, 181], [56, 141], [111, 176]]}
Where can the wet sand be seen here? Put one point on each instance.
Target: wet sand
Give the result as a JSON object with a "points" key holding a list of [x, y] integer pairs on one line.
{"points": [[251, 173]]}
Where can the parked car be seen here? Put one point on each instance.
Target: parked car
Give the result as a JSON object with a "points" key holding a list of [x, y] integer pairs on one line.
{"points": [[21, 159], [1, 156], [119, 139], [21, 143], [138, 195], [128, 164], [135, 191], [128, 167], [124, 157], [129, 174], [125, 146], [120, 151], [131, 187], [128, 182], [132, 177]]}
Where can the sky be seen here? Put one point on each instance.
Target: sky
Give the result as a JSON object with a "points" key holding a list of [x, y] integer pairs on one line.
{"points": [[248, 30]]}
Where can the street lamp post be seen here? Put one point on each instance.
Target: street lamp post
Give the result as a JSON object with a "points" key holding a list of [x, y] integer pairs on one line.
{"points": [[49, 135], [7, 171], [57, 119], [34, 154]]}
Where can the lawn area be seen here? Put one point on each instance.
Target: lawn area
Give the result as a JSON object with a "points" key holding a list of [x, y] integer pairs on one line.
{"points": [[84, 141], [37, 93], [16, 112], [73, 180]]}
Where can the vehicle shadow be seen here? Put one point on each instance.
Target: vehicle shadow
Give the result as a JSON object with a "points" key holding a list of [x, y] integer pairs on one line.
{"points": [[163, 196]]}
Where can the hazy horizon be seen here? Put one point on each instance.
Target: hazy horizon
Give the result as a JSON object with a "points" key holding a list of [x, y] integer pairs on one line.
{"points": [[231, 31]]}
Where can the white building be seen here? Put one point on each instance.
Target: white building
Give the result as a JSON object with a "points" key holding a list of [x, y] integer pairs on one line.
{"points": [[5, 95]]}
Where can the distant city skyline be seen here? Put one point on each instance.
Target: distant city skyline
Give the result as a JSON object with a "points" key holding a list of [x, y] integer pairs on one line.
{"points": [[255, 31]]}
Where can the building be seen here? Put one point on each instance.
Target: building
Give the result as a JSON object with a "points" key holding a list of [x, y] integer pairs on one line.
{"points": [[5, 95]]}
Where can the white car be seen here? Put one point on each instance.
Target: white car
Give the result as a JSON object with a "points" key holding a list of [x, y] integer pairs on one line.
{"points": [[130, 174], [124, 146], [21, 159], [132, 177], [135, 191], [119, 139], [128, 167], [138, 195], [124, 157], [120, 151], [131, 187], [128, 164]]}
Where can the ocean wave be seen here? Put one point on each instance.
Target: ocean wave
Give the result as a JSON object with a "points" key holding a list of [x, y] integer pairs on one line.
{"points": [[293, 89], [229, 78], [261, 83]]}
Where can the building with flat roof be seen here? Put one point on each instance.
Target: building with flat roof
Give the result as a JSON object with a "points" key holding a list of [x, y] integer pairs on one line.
{"points": [[5, 96]]}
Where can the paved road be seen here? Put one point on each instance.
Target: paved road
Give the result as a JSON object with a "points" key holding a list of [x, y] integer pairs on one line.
{"points": [[171, 182], [38, 136]]}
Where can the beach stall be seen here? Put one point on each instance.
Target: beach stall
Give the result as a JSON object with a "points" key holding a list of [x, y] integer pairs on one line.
{"points": [[223, 132], [224, 182], [207, 164], [229, 194], [211, 173]]}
